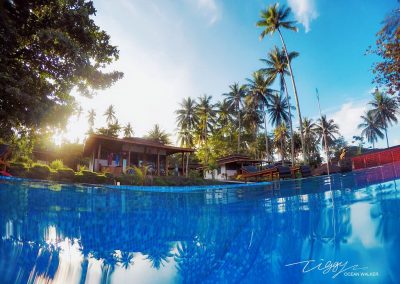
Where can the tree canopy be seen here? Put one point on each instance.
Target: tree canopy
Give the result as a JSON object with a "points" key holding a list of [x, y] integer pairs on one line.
{"points": [[387, 70], [48, 48]]}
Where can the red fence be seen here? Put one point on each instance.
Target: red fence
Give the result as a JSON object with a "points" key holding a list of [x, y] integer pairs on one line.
{"points": [[376, 158]]}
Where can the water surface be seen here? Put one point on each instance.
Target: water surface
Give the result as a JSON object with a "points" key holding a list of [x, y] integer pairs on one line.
{"points": [[347, 227]]}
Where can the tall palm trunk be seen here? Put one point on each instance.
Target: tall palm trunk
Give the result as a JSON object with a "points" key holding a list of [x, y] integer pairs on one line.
{"points": [[240, 126], [327, 152], [296, 97], [290, 122], [187, 164], [387, 139], [266, 133], [282, 156], [373, 145]]}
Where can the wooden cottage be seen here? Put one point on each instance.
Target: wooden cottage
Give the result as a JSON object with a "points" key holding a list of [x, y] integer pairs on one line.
{"points": [[115, 155], [229, 167]]}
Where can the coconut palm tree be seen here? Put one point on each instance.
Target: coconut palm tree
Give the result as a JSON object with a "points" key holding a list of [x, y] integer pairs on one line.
{"points": [[187, 121], [110, 114], [235, 99], [225, 120], [157, 134], [277, 67], [310, 136], [128, 130], [280, 136], [278, 110], [384, 109], [259, 93], [371, 128], [326, 131], [278, 116], [252, 116], [272, 20], [91, 118], [187, 118], [205, 111]]}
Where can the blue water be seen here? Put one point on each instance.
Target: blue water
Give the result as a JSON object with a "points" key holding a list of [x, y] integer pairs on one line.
{"points": [[343, 229]]}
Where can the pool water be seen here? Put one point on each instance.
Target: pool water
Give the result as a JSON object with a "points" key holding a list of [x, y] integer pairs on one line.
{"points": [[342, 229]]}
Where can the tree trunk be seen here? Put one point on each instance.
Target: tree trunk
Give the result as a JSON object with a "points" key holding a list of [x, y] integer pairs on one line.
{"points": [[282, 156], [290, 123], [240, 126], [387, 140], [266, 133], [187, 164], [296, 97], [327, 153]]}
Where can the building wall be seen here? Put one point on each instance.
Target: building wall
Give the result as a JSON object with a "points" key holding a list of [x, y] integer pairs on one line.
{"points": [[220, 174]]}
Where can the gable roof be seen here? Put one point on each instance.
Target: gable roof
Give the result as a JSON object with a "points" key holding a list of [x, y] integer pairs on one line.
{"points": [[94, 139]]}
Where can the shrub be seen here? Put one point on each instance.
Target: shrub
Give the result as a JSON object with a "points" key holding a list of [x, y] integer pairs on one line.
{"points": [[18, 169], [39, 171], [23, 159], [66, 174], [57, 165], [94, 178]]}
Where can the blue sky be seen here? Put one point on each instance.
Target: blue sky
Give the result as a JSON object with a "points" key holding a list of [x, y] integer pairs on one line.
{"points": [[171, 49]]}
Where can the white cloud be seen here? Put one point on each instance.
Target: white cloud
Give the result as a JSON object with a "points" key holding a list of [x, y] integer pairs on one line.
{"points": [[210, 9], [305, 11], [348, 118]]}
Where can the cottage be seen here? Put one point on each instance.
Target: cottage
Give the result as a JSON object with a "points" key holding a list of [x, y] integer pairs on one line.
{"points": [[115, 155], [229, 167]]}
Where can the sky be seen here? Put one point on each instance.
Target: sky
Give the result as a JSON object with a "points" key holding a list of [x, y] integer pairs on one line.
{"points": [[172, 49]]}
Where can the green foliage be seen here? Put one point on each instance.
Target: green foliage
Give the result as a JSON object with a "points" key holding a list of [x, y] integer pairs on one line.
{"points": [[140, 174], [39, 171], [112, 129], [387, 71], [92, 178], [18, 169], [159, 135], [21, 143], [57, 165], [65, 174], [47, 49]]}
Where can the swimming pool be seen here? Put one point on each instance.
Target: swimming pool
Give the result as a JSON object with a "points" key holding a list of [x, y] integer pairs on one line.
{"points": [[345, 228]]}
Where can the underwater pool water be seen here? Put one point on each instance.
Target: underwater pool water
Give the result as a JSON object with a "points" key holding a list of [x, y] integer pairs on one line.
{"points": [[342, 229]]}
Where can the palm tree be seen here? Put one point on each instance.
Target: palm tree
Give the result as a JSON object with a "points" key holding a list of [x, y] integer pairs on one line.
{"points": [[187, 121], [371, 129], [278, 116], [110, 114], [384, 109], [126, 259], [259, 93], [205, 111], [280, 135], [272, 20], [128, 130], [187, 118], [235, 99], [326, 130], [310, 136], [91, 118], [277, 67], [159, 135], [225, 119], [252, 117], [278, 110]]}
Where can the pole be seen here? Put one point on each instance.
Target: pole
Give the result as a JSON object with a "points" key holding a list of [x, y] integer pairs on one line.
{"points": [[324, 136]]}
